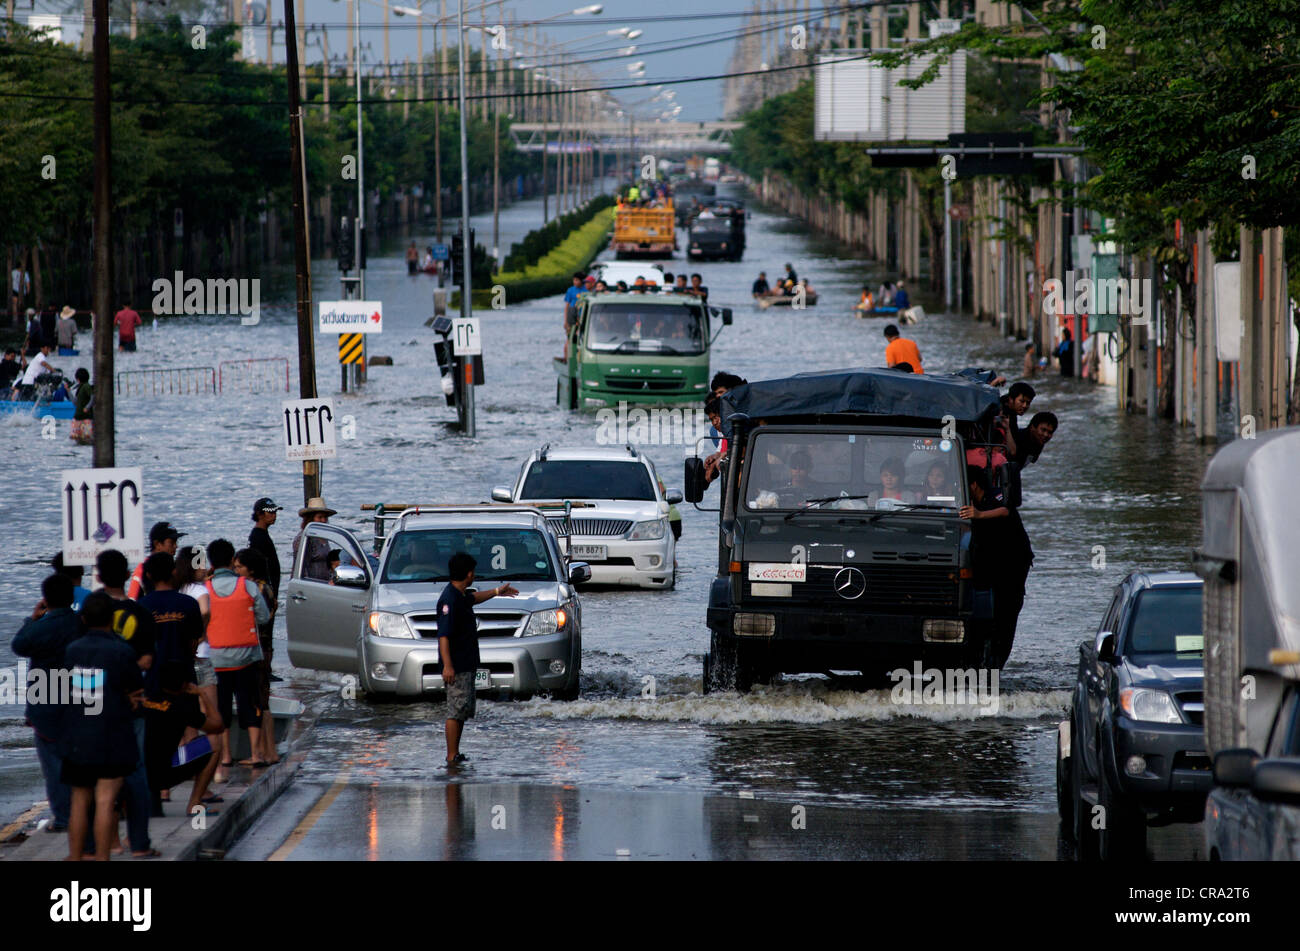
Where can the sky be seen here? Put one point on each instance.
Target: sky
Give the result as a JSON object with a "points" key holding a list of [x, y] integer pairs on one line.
{"points": [[710, 29]]}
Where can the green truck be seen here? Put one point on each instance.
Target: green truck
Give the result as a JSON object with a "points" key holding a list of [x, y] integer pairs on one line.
{"points": [[638, 348]]}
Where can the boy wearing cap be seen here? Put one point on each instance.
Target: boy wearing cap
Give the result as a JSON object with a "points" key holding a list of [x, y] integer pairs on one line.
{"points": [[162, 537], [259, 539]]}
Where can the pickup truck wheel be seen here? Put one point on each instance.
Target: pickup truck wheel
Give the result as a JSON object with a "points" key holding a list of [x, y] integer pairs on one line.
{"points": [[1085, 836], [1064, 789], [1124, 835]]}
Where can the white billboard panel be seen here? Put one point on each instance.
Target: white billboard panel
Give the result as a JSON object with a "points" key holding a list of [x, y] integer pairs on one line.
{"points": [[859, 101]]}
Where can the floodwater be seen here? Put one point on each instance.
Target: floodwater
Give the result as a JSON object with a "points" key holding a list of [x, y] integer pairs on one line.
{"points": [[1110, 494]]}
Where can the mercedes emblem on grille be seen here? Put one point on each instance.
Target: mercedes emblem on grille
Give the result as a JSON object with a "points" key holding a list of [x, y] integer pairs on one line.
{"points": [[850, 583]]}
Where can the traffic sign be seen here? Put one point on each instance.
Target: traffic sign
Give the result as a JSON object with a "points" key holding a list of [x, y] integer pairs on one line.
{"points": [[351, 348], [102, 508], [309, 430], [465, 338], [351, 316], [441, 252]]}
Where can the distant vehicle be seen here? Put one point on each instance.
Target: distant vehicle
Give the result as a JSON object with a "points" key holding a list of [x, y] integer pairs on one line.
{"points": [[1132, 752], [646, 232], [624, 533], [637, 348], [379, 622], [611, 272], [817, 569], [717, 231], [1252, 641]]}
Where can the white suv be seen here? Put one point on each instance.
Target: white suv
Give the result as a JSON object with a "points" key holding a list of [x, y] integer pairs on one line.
{"points": [[623, 533]]}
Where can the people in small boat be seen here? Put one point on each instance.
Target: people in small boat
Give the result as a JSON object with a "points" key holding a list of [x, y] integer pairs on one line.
{"points": [[761, 286], [790, 275], [901, 300], [885, 295], [867, 302]]}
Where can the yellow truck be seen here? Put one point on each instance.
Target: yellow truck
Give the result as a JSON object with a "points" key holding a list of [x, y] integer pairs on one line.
{"points": [[645, 231]]}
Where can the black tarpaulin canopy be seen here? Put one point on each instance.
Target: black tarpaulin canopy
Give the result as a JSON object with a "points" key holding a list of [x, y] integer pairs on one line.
{"points": [[866, 391]]}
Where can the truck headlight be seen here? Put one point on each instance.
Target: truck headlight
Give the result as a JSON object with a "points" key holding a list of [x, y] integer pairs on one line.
{"points": [[1154, 706], [388, 624], [546, 622], [645, 531]]}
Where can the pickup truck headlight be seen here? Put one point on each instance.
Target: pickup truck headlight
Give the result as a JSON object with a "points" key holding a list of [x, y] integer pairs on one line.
{"points": [[1154, 706], [545, 622], [646, 531], [388, 624]]}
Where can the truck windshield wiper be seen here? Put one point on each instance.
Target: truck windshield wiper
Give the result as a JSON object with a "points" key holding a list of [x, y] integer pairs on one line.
{"points": [[911, 507], [815, 503]]}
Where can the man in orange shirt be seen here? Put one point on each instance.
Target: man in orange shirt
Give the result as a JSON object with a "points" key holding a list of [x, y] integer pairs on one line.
{"points": [[901, 350]]}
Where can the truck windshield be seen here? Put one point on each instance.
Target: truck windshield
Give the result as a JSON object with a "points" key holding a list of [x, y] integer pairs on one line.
{"points": [[852, 470], [635, 328], [587, 479], [503, 554], [713, 225], [1166, 621]]}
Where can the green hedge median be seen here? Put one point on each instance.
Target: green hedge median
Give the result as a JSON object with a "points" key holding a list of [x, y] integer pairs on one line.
{"points": [[553, 273]]}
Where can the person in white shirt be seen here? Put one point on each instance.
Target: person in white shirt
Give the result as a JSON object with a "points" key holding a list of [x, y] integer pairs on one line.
{"points": [[39, 364]]}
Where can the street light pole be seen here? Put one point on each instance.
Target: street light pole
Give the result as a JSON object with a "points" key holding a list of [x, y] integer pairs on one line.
{"points": [[466, 368], [105, 439]]}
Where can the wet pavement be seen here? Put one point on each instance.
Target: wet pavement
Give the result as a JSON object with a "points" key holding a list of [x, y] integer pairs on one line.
{"points": [[948, 774]]}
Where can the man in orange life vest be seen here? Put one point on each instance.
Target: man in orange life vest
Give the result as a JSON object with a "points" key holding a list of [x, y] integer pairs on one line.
{"points": [[162, 537], [237, 607]]}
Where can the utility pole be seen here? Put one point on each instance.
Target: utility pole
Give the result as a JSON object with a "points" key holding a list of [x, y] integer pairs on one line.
{"points": [[496, 143], [388, 63], [466, 404], [105, 438], [353, 73], [325, 69], [358, 371], [301, 244], [301, 38]]}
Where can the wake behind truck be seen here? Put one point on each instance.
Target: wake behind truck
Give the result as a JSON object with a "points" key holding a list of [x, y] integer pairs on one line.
{"points": [[819, 567]]}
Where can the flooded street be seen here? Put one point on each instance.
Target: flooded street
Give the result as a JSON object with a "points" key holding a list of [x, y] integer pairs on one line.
{"points": [[1126, 484]]}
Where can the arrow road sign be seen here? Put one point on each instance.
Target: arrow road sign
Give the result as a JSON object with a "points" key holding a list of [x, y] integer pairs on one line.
{"points": [[102, 508], [465, 340], [308, 427], [351, 316]]}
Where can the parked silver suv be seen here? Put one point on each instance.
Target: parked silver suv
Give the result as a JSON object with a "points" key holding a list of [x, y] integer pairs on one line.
{"points": [[380, 622]]}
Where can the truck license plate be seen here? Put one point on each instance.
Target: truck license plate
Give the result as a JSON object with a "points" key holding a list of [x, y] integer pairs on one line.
{"points": [[591, 552], [482, 678]]}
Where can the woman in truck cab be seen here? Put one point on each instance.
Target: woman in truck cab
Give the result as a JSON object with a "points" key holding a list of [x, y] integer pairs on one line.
{"points": [[891, 483]]}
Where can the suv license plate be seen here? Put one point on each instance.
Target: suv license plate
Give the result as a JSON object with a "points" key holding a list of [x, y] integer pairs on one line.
{"points": [[482, 678], [593, 552]]}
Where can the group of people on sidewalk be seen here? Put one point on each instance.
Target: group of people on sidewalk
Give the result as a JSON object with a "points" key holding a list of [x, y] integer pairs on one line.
{"points": [[132, 689]]}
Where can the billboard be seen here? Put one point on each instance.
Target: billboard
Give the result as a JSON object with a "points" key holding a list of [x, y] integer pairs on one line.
{"points": [[859, 101]]}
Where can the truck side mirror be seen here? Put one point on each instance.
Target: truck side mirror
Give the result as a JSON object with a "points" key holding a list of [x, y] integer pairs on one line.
{"points": [[500, 493], [673, 496], [695, 480], [726, 316], [1235, 767], [350, 576], [1106, 647], [1277, 780], [579, 572]]}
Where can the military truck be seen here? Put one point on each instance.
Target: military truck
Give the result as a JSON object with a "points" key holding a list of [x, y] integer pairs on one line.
{"points": [[819, 569]]}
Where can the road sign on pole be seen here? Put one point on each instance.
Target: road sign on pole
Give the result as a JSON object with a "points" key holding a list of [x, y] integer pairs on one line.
{"points": [[466, 340], [309, 430], [102, 508], [351, 316]]}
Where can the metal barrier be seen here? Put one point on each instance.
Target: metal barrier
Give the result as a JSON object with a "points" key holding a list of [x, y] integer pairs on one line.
{"points": [[256, 375], [167, 381]]}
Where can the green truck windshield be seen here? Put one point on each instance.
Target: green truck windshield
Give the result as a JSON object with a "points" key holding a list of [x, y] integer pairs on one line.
{"points": [[789, 471], [631, 328]]}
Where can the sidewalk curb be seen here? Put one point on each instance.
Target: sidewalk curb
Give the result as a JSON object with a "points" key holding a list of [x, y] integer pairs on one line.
{"points": [[235, 820]]}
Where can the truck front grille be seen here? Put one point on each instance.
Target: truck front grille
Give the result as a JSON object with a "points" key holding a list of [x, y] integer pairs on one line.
{"points": [[891, 589]]}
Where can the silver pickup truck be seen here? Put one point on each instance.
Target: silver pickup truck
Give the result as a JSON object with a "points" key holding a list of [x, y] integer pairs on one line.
{"points": [[378, 621]]}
